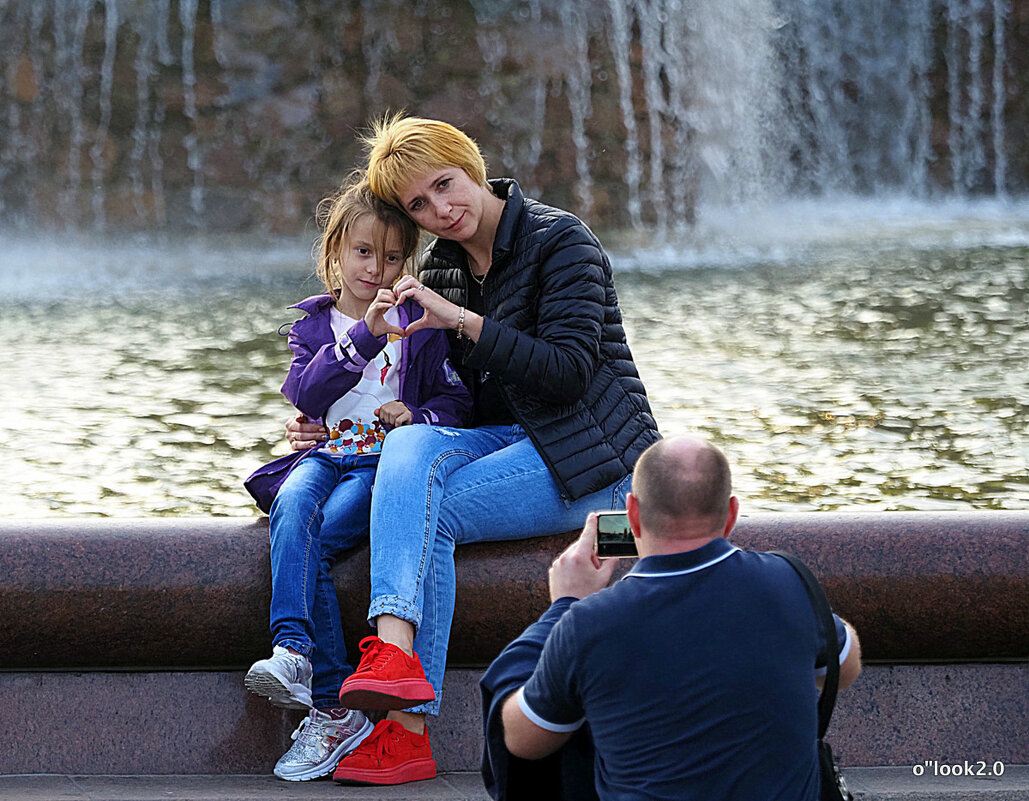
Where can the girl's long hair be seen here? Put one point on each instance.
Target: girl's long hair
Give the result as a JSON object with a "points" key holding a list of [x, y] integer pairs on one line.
{"points": [[336, 215]]}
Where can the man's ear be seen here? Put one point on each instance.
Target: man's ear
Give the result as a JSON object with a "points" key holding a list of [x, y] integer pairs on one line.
{"points": [[632, 511], [734, 512]]}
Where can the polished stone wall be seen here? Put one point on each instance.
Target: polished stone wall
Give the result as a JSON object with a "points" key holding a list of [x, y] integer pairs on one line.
{"points": [[123, 643], [193, 593], [205, 722]]}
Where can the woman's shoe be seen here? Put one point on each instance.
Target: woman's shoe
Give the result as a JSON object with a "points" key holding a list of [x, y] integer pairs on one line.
{"points": [[387, 678], [389, 755]]}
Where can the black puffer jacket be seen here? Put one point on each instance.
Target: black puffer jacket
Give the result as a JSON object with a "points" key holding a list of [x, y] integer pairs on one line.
{"points": [[553, 337]]}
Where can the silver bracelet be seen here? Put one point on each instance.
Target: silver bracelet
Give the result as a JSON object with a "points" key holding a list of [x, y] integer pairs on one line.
{"points": [[460, 324]]}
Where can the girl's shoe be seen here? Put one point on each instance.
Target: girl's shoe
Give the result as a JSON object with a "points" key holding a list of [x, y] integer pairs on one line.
{"points": [[320, 742], [387, 678], [284, 679], [389, 755]]}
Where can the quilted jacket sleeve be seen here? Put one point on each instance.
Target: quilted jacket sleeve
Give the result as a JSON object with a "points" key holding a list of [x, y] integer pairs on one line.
{"points": [[557, 362]]}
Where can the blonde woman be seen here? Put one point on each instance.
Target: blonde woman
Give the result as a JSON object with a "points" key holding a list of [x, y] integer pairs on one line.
{"points": [[559, 414]]}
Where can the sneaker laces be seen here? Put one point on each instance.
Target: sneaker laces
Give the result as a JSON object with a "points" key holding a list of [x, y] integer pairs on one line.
{"points": [[376, 652], [383, 739], [312, 729], [305, 731]]}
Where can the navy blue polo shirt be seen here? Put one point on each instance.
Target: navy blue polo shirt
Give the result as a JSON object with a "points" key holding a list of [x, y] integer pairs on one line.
{"points": [[696, 672]]}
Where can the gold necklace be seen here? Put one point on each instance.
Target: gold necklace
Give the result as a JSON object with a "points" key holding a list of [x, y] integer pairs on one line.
{"points": [[479, 279]]}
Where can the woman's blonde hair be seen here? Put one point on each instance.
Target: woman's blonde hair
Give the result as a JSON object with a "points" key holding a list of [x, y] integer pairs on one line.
{"points": [[337, 214], [401, 148]]}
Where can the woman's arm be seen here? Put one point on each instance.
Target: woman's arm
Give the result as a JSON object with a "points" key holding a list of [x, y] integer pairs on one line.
{"points": [[302, 433], [558, 363]]}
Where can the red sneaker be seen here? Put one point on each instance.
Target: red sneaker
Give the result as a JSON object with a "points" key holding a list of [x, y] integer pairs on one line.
{"points": [[389, 755], [387, 678]]}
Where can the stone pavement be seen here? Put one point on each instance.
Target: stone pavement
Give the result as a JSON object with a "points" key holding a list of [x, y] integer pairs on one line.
{"points": [[868, 784]]}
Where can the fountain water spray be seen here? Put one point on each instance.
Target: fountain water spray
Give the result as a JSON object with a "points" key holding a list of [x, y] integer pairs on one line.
{"points": [[639, 113]]}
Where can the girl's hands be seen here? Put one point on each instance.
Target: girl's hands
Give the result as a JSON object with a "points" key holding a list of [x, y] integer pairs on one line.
{"points": [[375, 318], [439, 312], [394, 413]]}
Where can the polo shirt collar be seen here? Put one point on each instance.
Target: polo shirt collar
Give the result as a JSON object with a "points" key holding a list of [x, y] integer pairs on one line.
{"points": [[676, 564]]}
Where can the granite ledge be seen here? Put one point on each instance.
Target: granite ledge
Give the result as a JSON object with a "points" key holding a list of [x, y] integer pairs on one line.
{"points": [[193, 593]]}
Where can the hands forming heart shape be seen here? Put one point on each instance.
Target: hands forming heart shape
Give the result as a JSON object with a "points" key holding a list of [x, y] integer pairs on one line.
{"points": [[382, 317]]}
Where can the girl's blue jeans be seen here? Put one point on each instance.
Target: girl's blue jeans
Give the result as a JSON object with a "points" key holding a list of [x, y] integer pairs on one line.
{"points": [[439, 487], [321, 509]]}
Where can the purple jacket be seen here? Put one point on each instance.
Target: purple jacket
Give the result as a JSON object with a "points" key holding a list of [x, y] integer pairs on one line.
{"points": [[429, 386]]}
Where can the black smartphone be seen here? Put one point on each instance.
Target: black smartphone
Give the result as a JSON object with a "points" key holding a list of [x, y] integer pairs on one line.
{"points": [[614, 537]]}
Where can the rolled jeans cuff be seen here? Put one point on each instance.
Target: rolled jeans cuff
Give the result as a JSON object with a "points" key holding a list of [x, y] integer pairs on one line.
{"points": [[396, 606], [299, 646]]}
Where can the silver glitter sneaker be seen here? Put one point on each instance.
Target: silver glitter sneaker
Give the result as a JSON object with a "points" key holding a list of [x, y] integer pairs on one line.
{"points": [[320, 743], [285, 679]]}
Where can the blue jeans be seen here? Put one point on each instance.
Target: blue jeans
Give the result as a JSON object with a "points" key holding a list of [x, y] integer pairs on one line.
{"points": [[440, 487], [320, 510]]}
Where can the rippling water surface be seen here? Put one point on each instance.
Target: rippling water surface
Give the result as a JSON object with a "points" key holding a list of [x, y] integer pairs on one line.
{"points": [[143, 380]]}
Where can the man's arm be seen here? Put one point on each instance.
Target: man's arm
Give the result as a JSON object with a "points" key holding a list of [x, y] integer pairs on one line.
{"points": [[850, 667], [576, 573], [508, 672], [524, 738]]}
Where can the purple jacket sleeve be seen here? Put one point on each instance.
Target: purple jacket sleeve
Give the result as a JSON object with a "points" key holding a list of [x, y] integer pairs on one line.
{"points": [[434, 392], [317, 379]]}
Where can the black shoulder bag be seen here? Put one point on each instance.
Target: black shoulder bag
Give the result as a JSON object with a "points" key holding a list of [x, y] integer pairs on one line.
{"points": [[834, 786]]}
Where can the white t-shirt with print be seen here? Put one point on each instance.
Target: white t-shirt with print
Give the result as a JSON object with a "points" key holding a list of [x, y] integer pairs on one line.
{"points": [[353, 426]]}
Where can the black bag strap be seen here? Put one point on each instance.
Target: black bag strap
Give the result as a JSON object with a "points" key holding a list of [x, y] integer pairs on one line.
{"points": [[827, 700]]}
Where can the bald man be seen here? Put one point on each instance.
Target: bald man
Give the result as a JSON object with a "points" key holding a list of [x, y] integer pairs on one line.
{"points": [[697, 673]]}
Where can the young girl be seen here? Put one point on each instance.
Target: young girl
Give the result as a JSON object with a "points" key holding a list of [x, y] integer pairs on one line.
{"points": [[355, 371]]}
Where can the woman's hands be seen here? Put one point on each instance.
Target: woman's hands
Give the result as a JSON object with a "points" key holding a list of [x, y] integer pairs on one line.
{"points": [[439, 312], [303, 434], [394, 414], [375, 316]]}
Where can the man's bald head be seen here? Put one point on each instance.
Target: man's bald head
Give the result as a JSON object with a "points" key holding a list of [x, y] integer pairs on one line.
{"points": [[683, 485]]}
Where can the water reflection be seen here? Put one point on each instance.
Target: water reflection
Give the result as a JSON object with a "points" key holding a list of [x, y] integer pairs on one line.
{"points": [[882, 380], [898, 383]]}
